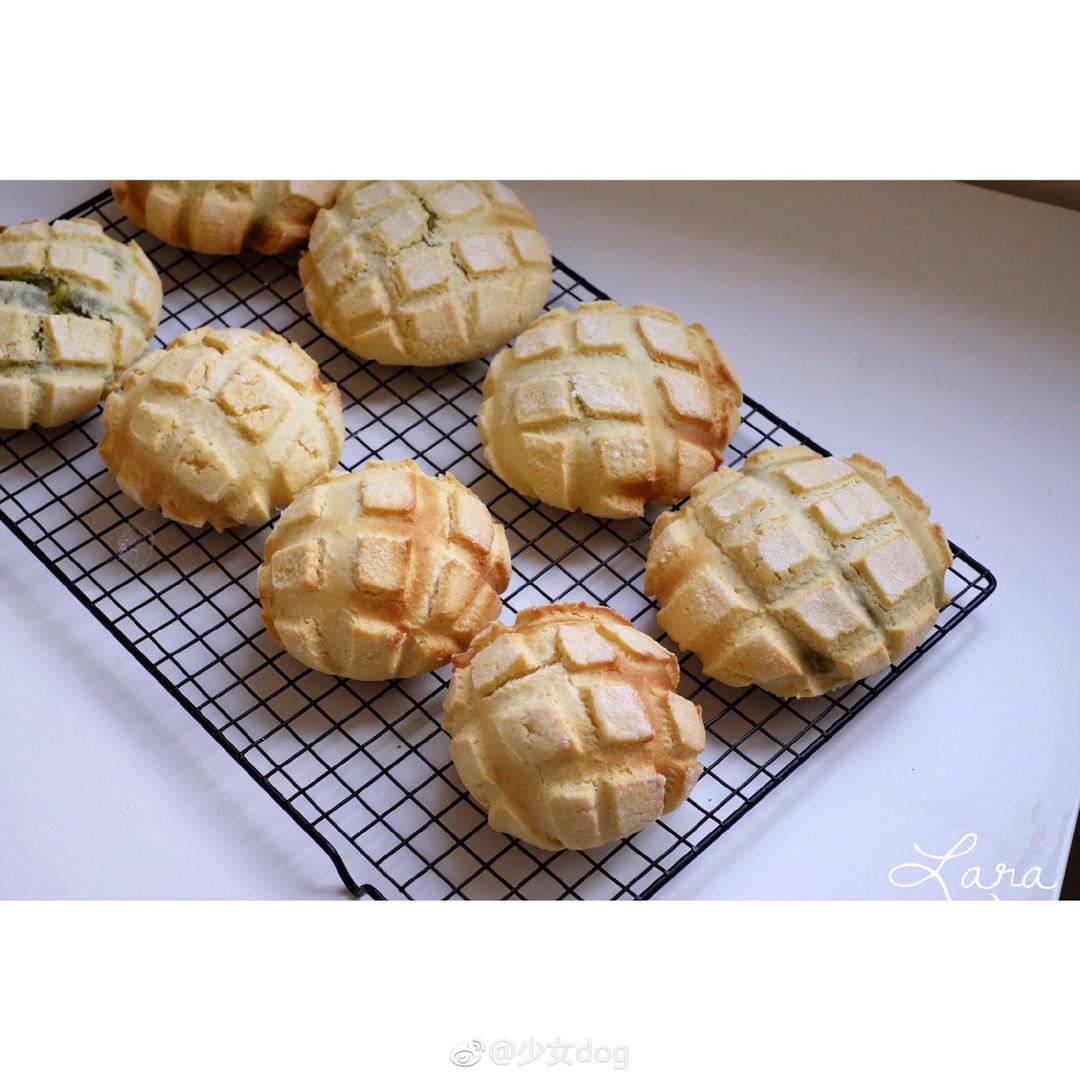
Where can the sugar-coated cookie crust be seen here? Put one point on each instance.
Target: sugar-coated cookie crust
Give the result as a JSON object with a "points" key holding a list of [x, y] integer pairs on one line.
{"points": [[76, 308], [606, 408], [798, 573], [425, 272], [221, 217], [566, 727], [222, 427], [382, 573]]}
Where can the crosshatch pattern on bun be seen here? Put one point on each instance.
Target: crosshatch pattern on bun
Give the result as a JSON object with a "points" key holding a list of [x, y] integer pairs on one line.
{"points": [[382, 573], [76, 308], [221, 217], [425, 272], [798, 573], [222, 427], [566, 727], [606, 408]]}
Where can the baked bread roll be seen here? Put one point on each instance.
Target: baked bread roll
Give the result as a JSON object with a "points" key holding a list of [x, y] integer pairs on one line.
{"points": [[220, 217], [798, 573], [425, 273], [382, 573], [566, 727], [76, 308], [221, 427], [606, 408]]}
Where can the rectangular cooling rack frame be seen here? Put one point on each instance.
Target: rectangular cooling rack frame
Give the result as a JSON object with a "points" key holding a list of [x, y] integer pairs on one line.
{"points": [[363, 768]]}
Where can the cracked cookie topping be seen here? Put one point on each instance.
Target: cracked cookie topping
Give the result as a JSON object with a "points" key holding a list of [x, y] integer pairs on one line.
{"points": [[425, 272], [606, 408], [798, 573], [566, 727], [382, 573], [76, 308], [220, 217], [221, 427]]}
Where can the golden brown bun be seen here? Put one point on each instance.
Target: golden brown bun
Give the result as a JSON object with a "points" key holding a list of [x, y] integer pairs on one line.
{"points": [[606, 408], [798, 573], [382, 573], [425, 273], [567, 729], [223, 426], [76, 307], [220, 217]]}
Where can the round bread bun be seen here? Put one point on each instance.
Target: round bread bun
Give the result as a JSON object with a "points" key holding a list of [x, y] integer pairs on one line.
{"points": [[566, 727], [798, 573], [425, 273], [76, 308], [606, 408], [382, 573], [220, 217], [222, 427]]}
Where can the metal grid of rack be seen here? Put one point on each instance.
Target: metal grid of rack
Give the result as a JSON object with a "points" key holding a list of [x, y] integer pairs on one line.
{"points": [[363, 768]]}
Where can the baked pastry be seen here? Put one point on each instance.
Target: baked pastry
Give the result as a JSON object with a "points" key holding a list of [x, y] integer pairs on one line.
{"points": [[798, 573], [382, 573], [221, 427], [76, 307], [219, 217], [566, 727], [425, 273], [606, 408]]}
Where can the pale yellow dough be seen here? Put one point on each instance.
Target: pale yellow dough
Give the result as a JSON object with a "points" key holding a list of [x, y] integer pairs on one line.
{"points": [[566, 727], [425, 272], [220, 217], [76, 308], [382, 573], [222, 427], [606, 408], [798, 573]]}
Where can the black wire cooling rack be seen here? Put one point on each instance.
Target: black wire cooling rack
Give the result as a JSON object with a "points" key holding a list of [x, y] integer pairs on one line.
{"points": [[363, 768]]}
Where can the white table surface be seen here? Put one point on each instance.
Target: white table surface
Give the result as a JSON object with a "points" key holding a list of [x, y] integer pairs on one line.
{"points": [[933, 326]]}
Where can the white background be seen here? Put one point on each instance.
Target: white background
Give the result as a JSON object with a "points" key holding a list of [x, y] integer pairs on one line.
{"points": [[933, 326]]}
